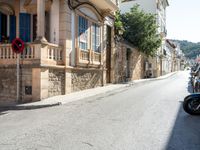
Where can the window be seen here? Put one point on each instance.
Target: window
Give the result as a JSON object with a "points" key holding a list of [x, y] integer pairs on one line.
{"points": [[7, 28], [3, 27], [82, 33], [96, 40]]}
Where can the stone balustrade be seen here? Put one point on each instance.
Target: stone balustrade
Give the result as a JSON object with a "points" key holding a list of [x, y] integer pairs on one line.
{"points": [[36, 53], [54, 52], [89, 57], [6, 52]]}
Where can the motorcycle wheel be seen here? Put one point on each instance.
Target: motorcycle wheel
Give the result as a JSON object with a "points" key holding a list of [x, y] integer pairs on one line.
{"points": [[191, 105]]}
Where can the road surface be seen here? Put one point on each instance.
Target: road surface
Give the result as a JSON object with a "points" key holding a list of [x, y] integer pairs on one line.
{"points": [[147, 116]]}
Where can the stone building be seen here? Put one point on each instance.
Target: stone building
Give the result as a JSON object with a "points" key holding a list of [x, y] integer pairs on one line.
{"points": [[175, 57], [68, 47], [169, 58]]}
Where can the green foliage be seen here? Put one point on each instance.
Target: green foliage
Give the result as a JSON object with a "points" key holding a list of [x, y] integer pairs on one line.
{"points": [[118, 23], [190, 49], [141, 30]]}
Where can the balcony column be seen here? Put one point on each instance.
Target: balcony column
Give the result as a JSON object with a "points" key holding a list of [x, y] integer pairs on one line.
{"points": [[41, 21]]}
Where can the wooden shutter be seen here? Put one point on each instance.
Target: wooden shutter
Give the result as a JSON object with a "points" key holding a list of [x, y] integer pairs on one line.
{"points": [[25, 27], [12, 28]]}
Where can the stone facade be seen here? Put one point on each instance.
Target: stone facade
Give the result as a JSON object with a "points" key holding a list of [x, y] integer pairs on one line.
{"points": [[56, 82], [86, 79], [53, 61]]}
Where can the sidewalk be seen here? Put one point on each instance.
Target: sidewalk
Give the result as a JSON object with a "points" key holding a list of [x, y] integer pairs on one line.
{"points": [[64, 99]]}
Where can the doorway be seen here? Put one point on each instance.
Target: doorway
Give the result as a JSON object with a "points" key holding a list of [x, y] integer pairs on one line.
{"points": [[108, 55], [128, 55]]}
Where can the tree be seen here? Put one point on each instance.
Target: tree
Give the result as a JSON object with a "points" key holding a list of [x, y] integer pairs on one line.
{"points": [[140, 29]]}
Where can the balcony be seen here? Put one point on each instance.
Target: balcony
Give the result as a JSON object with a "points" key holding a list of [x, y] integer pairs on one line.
{"points": [[33, 54], [109, 5]]}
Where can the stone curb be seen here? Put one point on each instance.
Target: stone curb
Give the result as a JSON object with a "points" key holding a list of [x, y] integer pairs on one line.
{"points": [[29, 107], [150, 79]]}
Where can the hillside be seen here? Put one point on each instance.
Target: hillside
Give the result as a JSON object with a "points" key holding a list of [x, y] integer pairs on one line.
{"points": [[190, 49]]}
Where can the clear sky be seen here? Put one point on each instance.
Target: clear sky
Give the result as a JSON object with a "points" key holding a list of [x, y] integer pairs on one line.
{"points": [[183, 20]]}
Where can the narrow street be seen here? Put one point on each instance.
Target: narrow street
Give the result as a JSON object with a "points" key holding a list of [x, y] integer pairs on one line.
{"points": [[147, 116]]}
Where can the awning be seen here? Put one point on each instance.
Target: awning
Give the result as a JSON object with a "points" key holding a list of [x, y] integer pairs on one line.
{"points": [[6, 9]]}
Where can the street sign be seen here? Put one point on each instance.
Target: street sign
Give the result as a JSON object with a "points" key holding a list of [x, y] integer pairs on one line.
{"points": [[17, 45]]}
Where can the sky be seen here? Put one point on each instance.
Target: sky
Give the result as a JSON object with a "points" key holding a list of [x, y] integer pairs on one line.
{"points": [[183, 20]]}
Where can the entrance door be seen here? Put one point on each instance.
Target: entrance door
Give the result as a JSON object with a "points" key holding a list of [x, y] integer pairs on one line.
{"points": [[108, 55]]}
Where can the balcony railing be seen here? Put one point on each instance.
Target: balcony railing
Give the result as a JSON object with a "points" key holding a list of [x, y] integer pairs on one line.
{"points": [[33, 53], [89, 57]]}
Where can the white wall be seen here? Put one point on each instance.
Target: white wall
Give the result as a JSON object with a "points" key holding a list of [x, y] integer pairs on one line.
{"points": [[54, 22], [148, 6]]}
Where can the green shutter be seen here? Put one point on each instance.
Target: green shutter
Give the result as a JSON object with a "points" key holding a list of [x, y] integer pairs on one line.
{"points": [[25, 27]]}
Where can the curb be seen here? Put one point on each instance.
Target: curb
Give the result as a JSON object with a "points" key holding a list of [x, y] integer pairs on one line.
{"points": [[150, 79], [29, 107]]}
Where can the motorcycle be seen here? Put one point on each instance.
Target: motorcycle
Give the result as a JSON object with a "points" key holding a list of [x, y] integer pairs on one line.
{"points": [[191, 104]]}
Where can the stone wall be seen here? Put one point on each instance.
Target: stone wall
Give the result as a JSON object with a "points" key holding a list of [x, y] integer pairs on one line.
{"points": [[8, 85], [56, 82], [136, 65], [129, 63], [86, 79], [25, 85], [120, 63]]}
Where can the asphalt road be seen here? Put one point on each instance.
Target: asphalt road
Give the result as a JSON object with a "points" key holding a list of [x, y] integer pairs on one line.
{"points": [[146, 116]]}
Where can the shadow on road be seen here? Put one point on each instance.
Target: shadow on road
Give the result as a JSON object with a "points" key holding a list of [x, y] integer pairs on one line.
{"points": [[185, 134]]}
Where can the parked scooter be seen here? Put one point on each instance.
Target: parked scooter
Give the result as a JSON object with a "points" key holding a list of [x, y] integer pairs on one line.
{"points": [[195, 78], [191, 104]]}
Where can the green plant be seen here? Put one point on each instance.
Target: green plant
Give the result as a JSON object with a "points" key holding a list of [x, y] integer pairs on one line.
{"points": [[118, 23], [140, 29]]}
